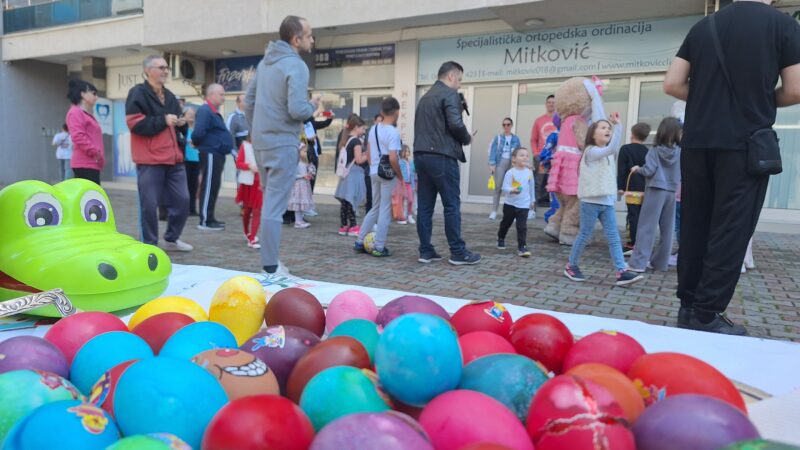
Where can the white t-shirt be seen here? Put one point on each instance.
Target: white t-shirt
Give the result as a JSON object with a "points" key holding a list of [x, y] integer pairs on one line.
{"points": [[389, 139], [518, 180], [506, 148], [63, 144]]}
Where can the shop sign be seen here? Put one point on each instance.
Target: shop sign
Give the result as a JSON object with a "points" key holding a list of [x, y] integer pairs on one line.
{"points": [[354, 56], [620, 47], [235, 73]]}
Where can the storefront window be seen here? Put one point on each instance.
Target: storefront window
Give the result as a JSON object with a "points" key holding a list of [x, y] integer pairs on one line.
{"points": [[654, 105], [784, 189]]}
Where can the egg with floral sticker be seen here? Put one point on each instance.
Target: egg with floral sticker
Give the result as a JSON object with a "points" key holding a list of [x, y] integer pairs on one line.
{"points": [[240, 373]]}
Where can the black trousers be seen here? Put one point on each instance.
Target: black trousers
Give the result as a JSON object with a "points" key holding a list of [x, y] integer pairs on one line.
{"points": [[211, 166], [633, 222], [368, 204], [511, 214], [720, 205], [192, 180], [313, 159], [87, 174]]}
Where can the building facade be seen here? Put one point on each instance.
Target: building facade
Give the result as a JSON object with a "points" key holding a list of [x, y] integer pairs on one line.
{"points": [[515, 53]]}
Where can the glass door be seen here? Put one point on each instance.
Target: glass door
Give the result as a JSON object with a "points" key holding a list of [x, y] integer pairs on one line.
{"points": [[341, 105], [652, 104]]}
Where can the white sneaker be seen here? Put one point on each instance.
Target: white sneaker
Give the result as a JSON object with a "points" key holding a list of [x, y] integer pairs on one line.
{"points": [[402, 222], [493, 215], [411, 220], [673, 260], [531, 214], [744, 269], [302, 224], [282, 272], [177, 246], [627, 252], [311, 213], [253, 244]]}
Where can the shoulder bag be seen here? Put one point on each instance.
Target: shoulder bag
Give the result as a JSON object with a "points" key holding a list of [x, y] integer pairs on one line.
{"points": [[385, 169]]}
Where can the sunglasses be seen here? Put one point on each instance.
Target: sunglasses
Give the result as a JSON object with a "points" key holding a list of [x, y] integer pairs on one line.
{"points": [[506, 124]]}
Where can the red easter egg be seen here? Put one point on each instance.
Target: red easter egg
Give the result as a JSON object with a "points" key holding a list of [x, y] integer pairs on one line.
{"points": [[616, 383], [659, 375], [484, 316], [542, 338], [568, 412], [102, 393], [611, 348], [70, 333], [155, 330], [297, 307], [482, 343], [336, 351], [259, 422]]}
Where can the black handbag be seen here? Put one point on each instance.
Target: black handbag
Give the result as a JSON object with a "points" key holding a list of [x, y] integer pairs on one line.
{"points": [[763, 150], [385, 169]]}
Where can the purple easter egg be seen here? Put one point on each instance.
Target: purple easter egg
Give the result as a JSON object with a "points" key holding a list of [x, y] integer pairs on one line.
{"points": [[31, 352], [691, 421], [386, 431], [408, 304], [281, 346]]}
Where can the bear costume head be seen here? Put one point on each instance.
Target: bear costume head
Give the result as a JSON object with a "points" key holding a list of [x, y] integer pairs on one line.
{"points": [[579, 96]]}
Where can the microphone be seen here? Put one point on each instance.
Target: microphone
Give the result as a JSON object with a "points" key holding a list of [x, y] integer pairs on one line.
{"points": [[463, 103]]}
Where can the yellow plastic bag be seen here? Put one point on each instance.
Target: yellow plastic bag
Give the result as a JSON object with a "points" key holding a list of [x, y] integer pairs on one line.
{"points": [[490, 185]]}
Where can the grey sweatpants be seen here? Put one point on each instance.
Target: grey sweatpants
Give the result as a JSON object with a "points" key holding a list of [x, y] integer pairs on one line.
{"points": [[280, 168], [658, 210], [500, 170], [381, 212]]}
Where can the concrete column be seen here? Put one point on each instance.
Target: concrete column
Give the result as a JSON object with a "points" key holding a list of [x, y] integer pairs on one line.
{"points": [[405, 87]]}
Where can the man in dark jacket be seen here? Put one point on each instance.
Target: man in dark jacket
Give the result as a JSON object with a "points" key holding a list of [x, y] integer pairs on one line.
{"points": [[212, 138], [152, 114], [439, 134]]}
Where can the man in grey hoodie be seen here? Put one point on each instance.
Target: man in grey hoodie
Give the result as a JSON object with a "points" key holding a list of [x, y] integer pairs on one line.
{"points": [[276, 105]]}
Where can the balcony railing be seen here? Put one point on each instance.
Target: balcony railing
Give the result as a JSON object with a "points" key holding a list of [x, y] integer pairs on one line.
{"points": [[21, 15]]}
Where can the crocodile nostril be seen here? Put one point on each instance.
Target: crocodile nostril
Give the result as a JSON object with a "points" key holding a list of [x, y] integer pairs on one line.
{"points": [[152, 262], [107, 271]]}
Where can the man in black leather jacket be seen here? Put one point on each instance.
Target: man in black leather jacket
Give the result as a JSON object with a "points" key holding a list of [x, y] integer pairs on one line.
{"points": [[439, 135]]}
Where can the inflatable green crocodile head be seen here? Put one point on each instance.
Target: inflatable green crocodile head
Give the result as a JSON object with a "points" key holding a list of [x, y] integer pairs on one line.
{"points": [[65, 236]]}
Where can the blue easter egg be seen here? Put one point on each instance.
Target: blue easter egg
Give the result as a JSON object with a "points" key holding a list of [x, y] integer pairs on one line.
{"points": [[340, 391], [67, 425], [418, 358], [167, 395], [197, 337], [103, 352], [362, 330], [510, 379]]}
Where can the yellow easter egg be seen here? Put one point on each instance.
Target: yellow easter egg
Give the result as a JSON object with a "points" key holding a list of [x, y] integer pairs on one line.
{"points": [[160, 305], [239, 305]]}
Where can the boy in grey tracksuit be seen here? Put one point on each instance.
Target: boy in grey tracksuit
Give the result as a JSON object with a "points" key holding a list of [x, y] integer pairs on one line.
{"points": [[662, 172]]}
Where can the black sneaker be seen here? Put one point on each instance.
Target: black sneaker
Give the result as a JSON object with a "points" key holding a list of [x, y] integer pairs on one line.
{"points": [[381, 253], [626, 277], [501, 244], [573, 273], [429, 258], [684, 316], [523, 252], [211, 226], [467, 259], [720, 324], [358, 247]]}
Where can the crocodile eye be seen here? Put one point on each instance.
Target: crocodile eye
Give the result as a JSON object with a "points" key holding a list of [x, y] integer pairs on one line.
{"points": [[42, 210], [94, 207]]}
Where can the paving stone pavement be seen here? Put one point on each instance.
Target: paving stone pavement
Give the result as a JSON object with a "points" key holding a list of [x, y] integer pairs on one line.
{"points": [[767, 299]]}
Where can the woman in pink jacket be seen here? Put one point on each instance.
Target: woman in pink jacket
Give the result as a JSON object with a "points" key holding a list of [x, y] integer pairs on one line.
{"points": [[87, 138]]}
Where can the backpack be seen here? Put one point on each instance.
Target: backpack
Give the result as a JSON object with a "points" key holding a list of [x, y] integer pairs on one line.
{"points": [[342, 168]]}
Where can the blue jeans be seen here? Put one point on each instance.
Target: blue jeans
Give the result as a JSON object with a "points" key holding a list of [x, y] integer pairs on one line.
{"points": [[590, 212], [438, 174]]}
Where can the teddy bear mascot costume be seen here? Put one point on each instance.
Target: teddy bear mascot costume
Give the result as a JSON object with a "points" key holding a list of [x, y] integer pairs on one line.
{"points": [[578, 103]]}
